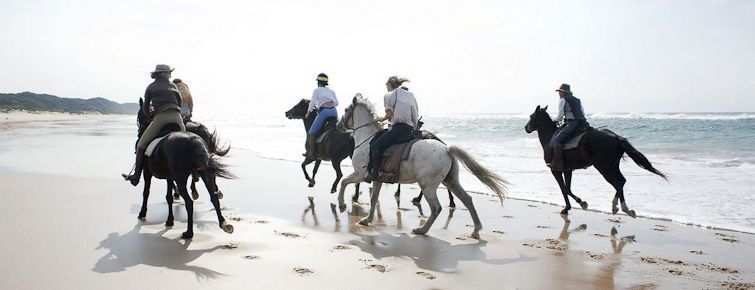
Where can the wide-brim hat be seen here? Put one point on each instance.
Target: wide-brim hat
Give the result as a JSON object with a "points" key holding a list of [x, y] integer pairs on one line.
{"points": [[162, 68], [565, 88]]}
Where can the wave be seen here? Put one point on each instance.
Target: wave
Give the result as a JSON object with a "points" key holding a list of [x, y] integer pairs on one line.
{"points": [[674, 116]]}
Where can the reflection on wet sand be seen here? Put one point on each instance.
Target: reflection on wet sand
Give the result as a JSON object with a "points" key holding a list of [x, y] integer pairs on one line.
{"points": [[450, 216], [427, 252], [605, 277], [565, 232], [310, 208]]}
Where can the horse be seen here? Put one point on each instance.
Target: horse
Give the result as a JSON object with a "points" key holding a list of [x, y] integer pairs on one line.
{"points": [[177, 156], [602, 149], [334, 148], [429, 164], [210, 139]]}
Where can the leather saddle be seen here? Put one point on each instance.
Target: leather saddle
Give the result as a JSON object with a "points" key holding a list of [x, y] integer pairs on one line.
{"points": [[388, 170], [330, 124], [164, 132]]}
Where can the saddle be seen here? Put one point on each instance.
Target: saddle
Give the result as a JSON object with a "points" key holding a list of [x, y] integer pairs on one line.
{"points": [[164, 132], [330, 124], [576, 140], [388, 170]]}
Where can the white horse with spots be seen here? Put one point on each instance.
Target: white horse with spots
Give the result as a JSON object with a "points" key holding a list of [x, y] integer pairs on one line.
{"points": [[430, 163]]}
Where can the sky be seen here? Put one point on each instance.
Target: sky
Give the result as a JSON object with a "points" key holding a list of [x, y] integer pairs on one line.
{"points": [[473, 56]]}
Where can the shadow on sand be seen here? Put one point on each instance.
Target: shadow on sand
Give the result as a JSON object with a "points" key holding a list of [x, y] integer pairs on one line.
{"points": [[135, 248], [427, 252]]}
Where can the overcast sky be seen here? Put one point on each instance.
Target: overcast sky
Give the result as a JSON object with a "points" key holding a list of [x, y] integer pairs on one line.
{"points": [[462, 56]]}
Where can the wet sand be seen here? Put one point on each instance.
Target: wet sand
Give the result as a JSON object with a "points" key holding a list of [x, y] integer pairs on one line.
{"points": [[70, 223]]}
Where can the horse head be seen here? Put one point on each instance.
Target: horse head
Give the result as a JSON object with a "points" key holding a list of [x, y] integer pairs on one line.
{"points": [[348, 122], [538, 119], [299, 110], [142, 120]]}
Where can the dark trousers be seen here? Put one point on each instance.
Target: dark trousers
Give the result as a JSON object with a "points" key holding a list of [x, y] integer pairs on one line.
{"points": [[565, 133], [381, 143]]}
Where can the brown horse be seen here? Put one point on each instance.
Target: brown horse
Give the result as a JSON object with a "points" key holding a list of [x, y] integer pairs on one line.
{"points": [[602, 149]]}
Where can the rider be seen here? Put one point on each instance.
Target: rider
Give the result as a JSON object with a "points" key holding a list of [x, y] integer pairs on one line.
{"points": [[401, 110], [573, 114], [324, 100], [187, 103], [166, 100]]}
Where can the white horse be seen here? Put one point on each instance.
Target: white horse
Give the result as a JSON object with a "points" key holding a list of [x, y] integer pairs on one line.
{"points": [[430, 163]]}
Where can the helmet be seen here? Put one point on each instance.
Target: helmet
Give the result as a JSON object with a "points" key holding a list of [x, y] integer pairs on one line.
{"points": [[322, 78]]}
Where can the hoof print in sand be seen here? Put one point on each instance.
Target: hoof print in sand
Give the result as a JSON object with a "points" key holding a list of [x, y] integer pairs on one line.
{"points": [[543, 227], [231, 246], [251, 257], [550, 244], [378, 267], [261, 222], [303, 271], [616, 221], [737, 285], [426, 275], [341, 247], [697, 252], [508, 217], [676, 272], [594, 256], [498, 232], [289, 235], [727, 238], [661, 228]]}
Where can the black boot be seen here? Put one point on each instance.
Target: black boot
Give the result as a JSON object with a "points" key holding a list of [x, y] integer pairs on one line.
{"points": [[134, 178], [558, 158], [312, 146]]}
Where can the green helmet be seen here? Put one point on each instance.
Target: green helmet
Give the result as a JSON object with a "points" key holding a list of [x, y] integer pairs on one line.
{"points": [[322, 78]]}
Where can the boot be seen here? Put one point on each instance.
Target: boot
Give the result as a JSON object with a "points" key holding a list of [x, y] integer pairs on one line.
{"points": [[312, 146], [558, 158], [134, 178]]}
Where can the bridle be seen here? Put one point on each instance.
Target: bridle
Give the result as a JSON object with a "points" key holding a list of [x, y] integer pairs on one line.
{"points": [[351, 116]]}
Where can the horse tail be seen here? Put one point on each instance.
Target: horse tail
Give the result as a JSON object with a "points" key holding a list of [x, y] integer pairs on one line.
{"points": [[219, 150], [638, 157], [209, 162], [209, 138], [496, 183]]}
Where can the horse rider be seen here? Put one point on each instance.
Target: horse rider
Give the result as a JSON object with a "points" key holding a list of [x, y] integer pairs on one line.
{"points": [[187, 103], [166, 101], [401, 111], [571, 112], [324, 100]]}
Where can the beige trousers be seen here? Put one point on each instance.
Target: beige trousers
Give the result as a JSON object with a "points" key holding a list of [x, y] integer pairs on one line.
{"points": [[160, 120]]}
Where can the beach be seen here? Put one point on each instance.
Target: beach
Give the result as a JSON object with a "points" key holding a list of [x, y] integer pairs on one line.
{"points": [[71, 223]]}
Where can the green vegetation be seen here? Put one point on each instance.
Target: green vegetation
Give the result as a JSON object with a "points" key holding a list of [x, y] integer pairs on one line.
{"points": [[41, 102]]}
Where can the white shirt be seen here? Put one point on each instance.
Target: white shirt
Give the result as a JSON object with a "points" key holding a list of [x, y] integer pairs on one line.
{"points": [[403, 105], [320, 96], [561, 108]]}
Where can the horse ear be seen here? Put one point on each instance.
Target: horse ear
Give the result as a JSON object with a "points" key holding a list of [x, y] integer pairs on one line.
{"points": [[141, 102], [354, 100], [546, 108], [538, 108]]}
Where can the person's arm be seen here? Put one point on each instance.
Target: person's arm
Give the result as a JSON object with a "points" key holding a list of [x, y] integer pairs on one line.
{"points": [[561, 104], [147, 100], [191, 106], [415, 114], [312, 102]]}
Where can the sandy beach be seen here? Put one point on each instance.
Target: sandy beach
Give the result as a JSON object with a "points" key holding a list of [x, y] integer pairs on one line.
{"points": [[71, 223]]}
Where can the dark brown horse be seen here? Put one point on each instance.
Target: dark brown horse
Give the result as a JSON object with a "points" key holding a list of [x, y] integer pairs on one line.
{"points": [[210, 139], [335, 147], [176, 158], [602, 149]]}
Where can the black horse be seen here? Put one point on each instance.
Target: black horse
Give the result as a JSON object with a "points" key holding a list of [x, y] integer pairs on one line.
{"points": [[176, 158], [335, 147], [210, 139], [602, 149]]}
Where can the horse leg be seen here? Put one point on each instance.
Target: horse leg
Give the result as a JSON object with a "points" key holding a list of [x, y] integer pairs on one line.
{"points": [[373, 203], [337, 168], [567, 175], [169, 199], [398, 191], [354, 177], [176, 194], [194, 192], [418, 198], [451, 203], [304, 164], [616, 179], [564, 191], [314, 172], [455, 187], [209, 182], [189, 203], [435, 208], [145, 194], [355, 198]]}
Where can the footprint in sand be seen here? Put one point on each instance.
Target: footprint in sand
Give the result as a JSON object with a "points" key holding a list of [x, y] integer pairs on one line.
{"points": [[543, 227], [727, 238], [531, 205], [341, 247], [617, 221], [289, 235], [508, 217], [697, 252], [737, 285], [498, 232], [303, 271], [594, 256], [261, 222], [251, 257], [426, 275], [231, 246], [378, 267], [676, 272]]}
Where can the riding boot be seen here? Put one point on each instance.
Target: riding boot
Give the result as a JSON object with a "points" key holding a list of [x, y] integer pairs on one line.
{"points": [[312, 146], [134, 178], [558, 158]]}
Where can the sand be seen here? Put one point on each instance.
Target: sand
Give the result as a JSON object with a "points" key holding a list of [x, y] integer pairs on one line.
{"points": [[70, 223]]}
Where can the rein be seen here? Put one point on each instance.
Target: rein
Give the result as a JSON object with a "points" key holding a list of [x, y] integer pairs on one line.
{"points": [[351, 116]]}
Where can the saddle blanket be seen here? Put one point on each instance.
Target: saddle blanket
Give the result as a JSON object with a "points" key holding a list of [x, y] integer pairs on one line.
{"points": [[391, 165], [322, 136], [152, 145], [573, 143]]}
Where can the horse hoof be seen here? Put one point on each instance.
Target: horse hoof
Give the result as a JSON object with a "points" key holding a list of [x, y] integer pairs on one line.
{"points": [[364, 222], [194, 195], [169, 223], [219, 194], [452, 205], [614, 210], [228, 228], [475, 235], [176, 197], [631, 213], [418, 231], [416, 200], [332, 190], [141, 217], [583, 204], [187, 235], [565, 211]]}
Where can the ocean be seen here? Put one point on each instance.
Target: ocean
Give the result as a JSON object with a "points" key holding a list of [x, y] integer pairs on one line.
{"points": [[708, 157]]}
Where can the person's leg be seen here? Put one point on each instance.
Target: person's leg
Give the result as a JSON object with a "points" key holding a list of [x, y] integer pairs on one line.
{"points": [[149, 134], [378, 147], [312, 135], [557, 143]]}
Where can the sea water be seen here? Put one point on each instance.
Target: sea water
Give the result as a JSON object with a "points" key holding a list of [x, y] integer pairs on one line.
{"points": [[709, 159]]}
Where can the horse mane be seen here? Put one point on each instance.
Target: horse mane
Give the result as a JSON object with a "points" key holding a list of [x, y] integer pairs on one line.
{"points": [[360, 100]]}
